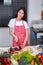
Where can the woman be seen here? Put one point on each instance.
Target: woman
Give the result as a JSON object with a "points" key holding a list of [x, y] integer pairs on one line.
{"points": [[18, 29]]}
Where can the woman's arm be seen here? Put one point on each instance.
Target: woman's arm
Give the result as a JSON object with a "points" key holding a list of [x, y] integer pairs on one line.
{"points": [[12, 34], [26, 38]]}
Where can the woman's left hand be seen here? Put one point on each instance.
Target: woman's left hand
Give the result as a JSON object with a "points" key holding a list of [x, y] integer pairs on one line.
{"points": [[22, 46]]}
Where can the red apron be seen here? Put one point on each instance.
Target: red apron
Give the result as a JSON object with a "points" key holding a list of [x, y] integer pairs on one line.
{"points": [[20, 32]]}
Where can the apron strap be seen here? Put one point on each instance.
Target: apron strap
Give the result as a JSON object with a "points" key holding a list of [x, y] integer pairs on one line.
{"points": [[23, 22], [15, 22]]}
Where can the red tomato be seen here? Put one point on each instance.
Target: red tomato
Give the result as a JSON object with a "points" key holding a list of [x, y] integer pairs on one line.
{"points": [[41, 59], [38, 56]]}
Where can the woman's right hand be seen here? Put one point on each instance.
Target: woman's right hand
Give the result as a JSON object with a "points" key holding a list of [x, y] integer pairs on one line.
{"points": [[15, 38]]}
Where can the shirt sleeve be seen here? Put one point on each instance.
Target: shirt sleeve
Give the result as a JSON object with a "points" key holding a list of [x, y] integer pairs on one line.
{"points": [[10, 24], [26, 24]]}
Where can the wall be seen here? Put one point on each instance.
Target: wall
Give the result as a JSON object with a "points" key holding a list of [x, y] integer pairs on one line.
{"points": [[34, 9], [5, 38]]}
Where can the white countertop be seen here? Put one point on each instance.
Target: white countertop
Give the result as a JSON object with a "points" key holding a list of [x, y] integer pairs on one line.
{"points": [[34, 49]]}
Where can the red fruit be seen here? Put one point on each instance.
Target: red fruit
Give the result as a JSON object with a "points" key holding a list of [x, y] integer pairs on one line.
{"points": [[2, 64], [38, 56], [8, 59], [41, 59], [12, 52], [8, 64], [5, 60]]}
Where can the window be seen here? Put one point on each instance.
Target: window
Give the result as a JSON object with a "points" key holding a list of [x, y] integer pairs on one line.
{"points": [[7, 2]]}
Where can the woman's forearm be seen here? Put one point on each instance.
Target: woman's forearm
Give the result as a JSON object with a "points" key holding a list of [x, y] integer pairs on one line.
{"points": [[13, 35], [11, 32], [26, 38]]}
